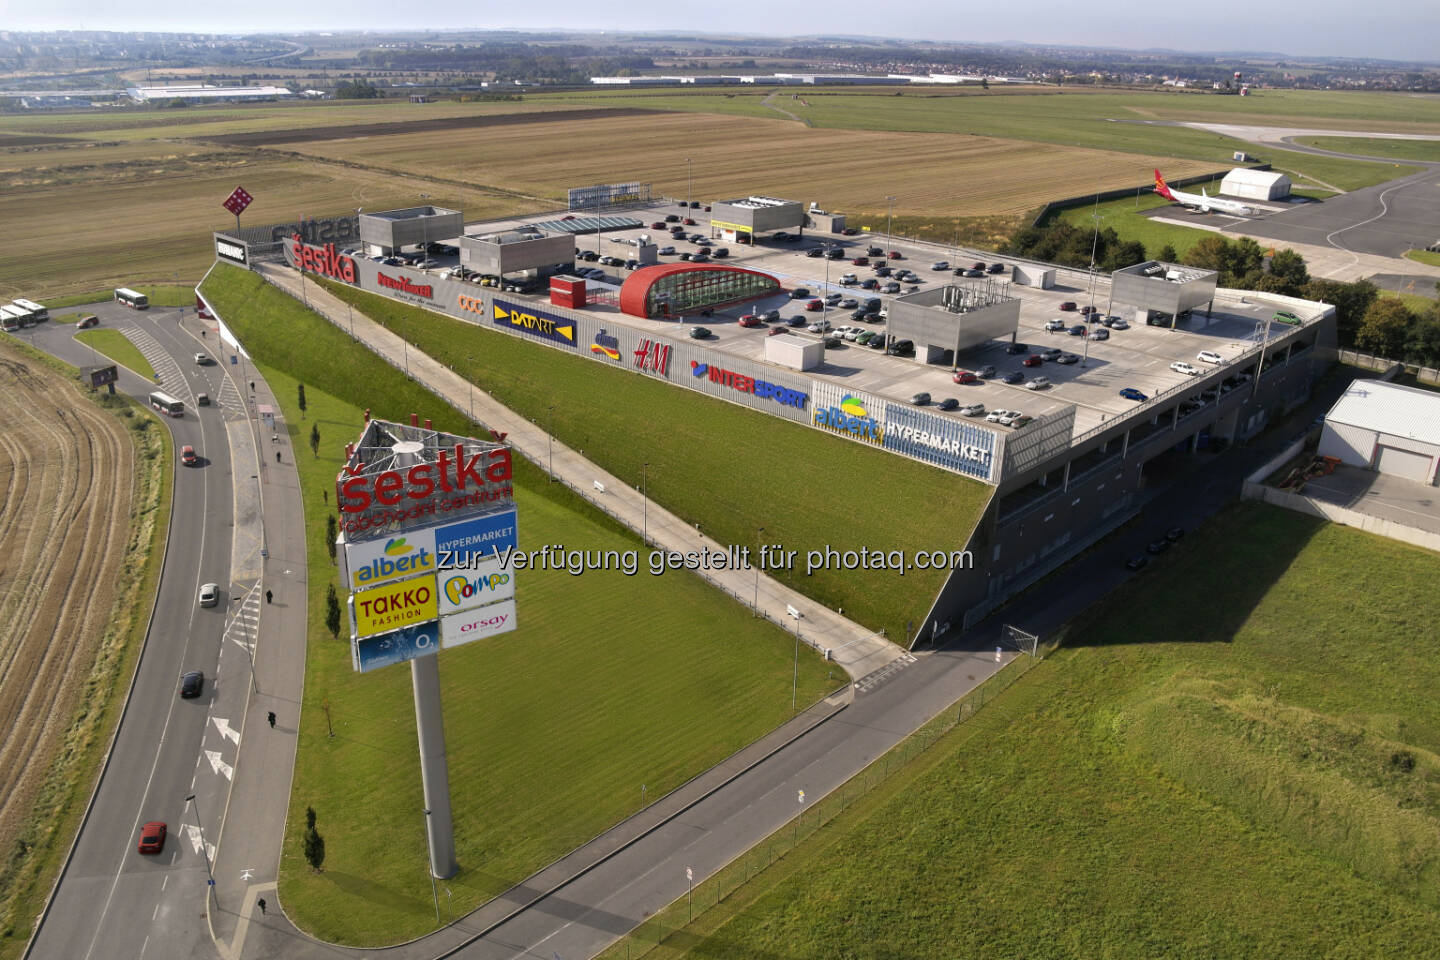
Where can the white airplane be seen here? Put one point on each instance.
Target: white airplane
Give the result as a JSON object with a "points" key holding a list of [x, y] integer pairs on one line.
{"points": [[1202, 201]]}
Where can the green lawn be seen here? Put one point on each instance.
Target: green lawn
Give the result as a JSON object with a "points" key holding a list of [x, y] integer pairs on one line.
{"points": [[1378, 147], [117, 347], [729, 469], [1423, 256], [610, 682], [169, 295], [1235, 756], [1127, 218]]}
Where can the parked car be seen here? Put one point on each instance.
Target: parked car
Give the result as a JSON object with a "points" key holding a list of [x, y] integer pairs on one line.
{"points": [[699, 258], [994, 415], [940, 265], [972, 410], [949, 403], [986, 372], [1209, 356], [832, 341], [835, 253], [1055, 323], [1189, 369], [814, 305], [815, 252], [771, 316], [1136, 562], [720, 253], [884, 272], [1008, 420], [996, 268], [901, 348], [870, 283], [819, 326], [1157, 546], [797, 320], [860, 262], [920, 399], [750, 320], [1014, 376], [1174, 534], [965, 376], [1067, 358], [1079, 330], [1034, 360], [688, 222], [895, 255], [152, 837], [892, 287], [1053, 353], [1015, 349], [799, 293], [1130, 393], [1089, 309], [775, 330], [865, 337], [672, 218], [1068, 306], [657, 225], [1020, 421], [699, 333], [1099, 333], [192, 684], [874, 251], [1038, 383], [849, 280], [89, 320], [1115, 323], [974, 273]]}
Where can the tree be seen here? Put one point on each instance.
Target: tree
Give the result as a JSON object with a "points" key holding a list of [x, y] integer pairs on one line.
{"points": [[1167, 254], [302, 400], [314, 843], [1289, 266], [332, 530], [332, 610], [1209, 253], [1246, 258], [1422, 343], [315, 439], [1350, 300], [1385, 327]]}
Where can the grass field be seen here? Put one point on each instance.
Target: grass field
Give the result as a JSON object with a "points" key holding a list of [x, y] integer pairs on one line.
{"points": [[1236, 756], [611, 682], [170, 295], [114, 345], [1423, 256], [1428, 150], [623, 421], [1127, 219]]}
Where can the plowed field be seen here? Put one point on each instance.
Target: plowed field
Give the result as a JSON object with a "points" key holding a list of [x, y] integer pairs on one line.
{"points": [[64, 516]]}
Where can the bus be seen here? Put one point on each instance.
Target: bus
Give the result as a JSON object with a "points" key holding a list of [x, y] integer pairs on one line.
{"points": [[9, 319], [133, 299], [25, 317], [37, 310], [167, 404]]}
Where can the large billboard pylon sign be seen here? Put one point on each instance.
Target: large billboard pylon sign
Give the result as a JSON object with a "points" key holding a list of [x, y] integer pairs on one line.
{"points": [[425, 520]]}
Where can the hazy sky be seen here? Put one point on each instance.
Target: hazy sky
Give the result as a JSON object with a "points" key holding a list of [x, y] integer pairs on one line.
{"points": [[1393, 29]]}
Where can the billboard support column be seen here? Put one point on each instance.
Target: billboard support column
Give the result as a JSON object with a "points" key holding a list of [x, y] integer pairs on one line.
{"points": [[434, 771]]}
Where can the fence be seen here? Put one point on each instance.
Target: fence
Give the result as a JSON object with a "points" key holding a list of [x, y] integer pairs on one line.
{"points": [[1124, 193], [656, 932], [1391, 368]]}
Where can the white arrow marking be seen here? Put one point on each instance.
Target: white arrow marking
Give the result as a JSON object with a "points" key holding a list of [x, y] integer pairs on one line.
{"points": [[247, 874], [226, 731], [195, 838], [218, 765]]}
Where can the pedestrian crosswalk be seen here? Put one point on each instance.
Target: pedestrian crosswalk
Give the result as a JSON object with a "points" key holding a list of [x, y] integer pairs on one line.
{"points": [[874, 678]]}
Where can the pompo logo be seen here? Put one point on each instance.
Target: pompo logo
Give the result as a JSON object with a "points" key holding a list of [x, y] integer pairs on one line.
{"points": [[459, 589]]}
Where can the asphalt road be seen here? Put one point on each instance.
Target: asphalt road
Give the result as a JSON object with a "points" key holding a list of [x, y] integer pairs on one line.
{"points": [[111, 900]]}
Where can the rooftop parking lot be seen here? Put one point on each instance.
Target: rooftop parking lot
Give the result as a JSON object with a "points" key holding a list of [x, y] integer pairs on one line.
{"points": [[1088, 373]]}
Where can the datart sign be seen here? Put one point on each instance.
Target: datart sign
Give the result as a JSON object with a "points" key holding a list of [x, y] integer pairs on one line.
{"points": [[608, 195], [233, 252], [854, 415], [403, 285], [456, 483], [372, 653], [606, 345], [324, 260], [477, 624], [373, 562], [393, 606], [535, 323], [955, 445], [760, 388]]}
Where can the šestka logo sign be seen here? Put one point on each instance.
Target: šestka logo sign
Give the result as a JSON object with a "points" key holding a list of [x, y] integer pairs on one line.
{"points": [[326, 260], [453, 482]]}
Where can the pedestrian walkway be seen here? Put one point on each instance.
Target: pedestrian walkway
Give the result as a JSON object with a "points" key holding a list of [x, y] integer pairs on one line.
{"points": [[858, 650]]}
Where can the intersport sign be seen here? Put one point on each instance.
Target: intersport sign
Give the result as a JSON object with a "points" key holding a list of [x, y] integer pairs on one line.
{"points": [[452, 483]]}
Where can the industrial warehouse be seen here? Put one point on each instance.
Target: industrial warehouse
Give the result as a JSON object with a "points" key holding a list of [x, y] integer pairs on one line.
{"points": [[1075, 416]]}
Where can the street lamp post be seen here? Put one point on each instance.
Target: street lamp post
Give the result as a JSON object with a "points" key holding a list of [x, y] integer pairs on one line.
{"points": [[689, 183], [204, 849], [795, 676], [234, 618], [756, 605], [889, 222], [550, 442], [471, 384], [433, 892], [644, 502]]}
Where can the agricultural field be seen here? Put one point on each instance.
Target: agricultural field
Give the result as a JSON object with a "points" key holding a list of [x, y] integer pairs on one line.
{"points": [[709, 479], [612, 681], [1235, 756], [70, 466], [957, 174]]}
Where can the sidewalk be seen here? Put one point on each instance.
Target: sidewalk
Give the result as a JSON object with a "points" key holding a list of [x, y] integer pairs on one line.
{"points": [[857, 650]]}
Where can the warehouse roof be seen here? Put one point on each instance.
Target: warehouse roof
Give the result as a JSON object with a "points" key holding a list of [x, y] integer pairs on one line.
{"points": [[1389, 408], [1255, 178]]}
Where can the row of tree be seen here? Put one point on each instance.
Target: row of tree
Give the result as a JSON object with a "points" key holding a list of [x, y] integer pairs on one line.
{"points": [[1366, 321]]}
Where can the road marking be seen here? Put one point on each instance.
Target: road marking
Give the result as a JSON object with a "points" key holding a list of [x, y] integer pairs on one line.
{"points": [[218, 765], [197, 840], [226, 731], [247, 874]]}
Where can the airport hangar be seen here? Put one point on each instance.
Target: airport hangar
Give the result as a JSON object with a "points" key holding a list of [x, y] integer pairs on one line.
{"points": [[1059, 484]]}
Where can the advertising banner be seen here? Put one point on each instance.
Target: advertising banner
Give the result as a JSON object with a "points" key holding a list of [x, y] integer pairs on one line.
{"points": [[857, 416], [229, 250], [395, 605], [373, 562], [372, 653], [490, 621], [475, 587], [459, 546], [953, 444], [532, 321], [608, 195]]}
